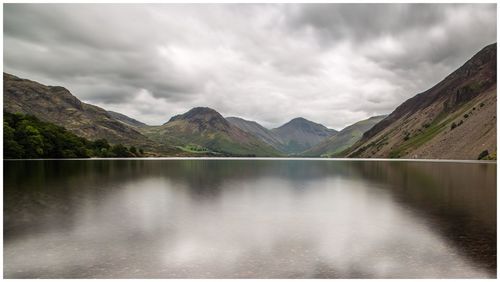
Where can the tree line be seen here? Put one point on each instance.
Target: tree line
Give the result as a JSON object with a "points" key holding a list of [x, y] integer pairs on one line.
{"points": [[27, 137]]}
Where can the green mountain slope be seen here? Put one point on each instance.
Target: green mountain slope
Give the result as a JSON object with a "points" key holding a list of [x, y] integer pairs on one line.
{"points": [[342, 140], [204, 129], [455, 119]]}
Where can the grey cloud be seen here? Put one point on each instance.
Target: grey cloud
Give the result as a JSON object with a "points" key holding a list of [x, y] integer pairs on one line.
{"points": [[331, 63], [363, 22], [436, 33], [97, 27]]}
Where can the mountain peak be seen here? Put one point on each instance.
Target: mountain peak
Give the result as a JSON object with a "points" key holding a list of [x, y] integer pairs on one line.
{"points": [[300, 120], [301, 123], [198, 113], [202, 110], [300, 134]]}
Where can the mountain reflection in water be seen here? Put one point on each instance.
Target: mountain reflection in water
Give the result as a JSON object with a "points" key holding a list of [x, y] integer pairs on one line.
{"points": [[249, 219]]}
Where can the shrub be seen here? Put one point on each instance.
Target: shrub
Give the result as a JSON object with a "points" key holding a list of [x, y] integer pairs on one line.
{"points": [[453, 126], [394, 155], [101, 143], [466, 116], [483, 154]]}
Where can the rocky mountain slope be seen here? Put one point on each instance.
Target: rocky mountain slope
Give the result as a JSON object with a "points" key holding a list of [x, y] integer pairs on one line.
{"points": [[57, 105], [455, 119], [126, 120], [300, 134], [258, 131], [341, 141], [204, 129]]}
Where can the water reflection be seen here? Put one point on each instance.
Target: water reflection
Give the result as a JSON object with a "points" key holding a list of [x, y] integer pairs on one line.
{"points": [[249, 219]]}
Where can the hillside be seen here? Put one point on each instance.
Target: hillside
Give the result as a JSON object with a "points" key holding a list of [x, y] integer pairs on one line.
{"points": [[339, 142], [27, 137], [204, 129], [455, 119], [125, 119], [300, 134], [258, 131], [55, 104]]}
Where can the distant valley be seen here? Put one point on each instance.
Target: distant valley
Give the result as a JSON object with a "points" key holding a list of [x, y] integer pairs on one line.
{"points": [[456, 119]]}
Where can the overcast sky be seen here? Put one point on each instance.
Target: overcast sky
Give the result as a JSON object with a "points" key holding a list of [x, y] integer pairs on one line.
{"points": [[331, 63]]}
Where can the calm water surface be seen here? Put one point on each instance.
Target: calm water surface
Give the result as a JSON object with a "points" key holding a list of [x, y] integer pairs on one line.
{"points": [[249, 219]]}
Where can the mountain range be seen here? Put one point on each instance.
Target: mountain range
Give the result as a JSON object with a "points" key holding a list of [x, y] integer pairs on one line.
{"points": [[455, 119], [292, 138], [205, 130], [199, 132]]}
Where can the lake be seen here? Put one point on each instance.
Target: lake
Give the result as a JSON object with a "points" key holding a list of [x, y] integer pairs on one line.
{"points": [[249, 219]]}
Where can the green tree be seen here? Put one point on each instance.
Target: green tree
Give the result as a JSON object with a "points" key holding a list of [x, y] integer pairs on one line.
{"points": [[28, 137], [11, 149], [133, 150], [120, 151], [31, 139]]}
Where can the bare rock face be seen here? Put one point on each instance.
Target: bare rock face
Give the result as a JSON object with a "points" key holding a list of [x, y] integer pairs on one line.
{"points": [[455, 119], [57, 105]]}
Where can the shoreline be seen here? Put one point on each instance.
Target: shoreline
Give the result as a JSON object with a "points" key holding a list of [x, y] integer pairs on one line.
{"points": [[267, 159]]}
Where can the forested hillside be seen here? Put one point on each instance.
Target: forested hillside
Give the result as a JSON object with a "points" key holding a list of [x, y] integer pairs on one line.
{"points": [[26, 136]]}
